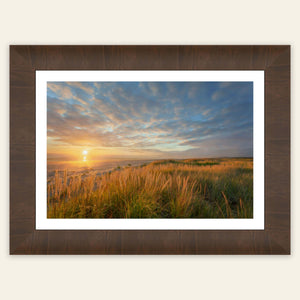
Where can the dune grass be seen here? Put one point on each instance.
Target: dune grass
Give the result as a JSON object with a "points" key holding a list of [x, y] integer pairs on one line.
{"points": [[192, 188]]}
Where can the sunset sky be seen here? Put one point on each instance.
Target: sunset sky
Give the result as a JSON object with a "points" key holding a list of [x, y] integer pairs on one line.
{"points": [[149, 120]]}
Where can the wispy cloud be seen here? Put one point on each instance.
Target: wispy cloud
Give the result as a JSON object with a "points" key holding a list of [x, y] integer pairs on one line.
{"points": [[165, 119]]}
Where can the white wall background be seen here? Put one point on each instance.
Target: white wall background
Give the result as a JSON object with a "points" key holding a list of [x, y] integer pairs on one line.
{"points": [[147, 22]]}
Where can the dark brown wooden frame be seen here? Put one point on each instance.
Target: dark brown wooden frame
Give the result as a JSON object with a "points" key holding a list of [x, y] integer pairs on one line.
{"points": [[274, 60]]}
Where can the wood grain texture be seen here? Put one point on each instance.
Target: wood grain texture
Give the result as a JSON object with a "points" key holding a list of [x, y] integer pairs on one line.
{"points": [[274, 60]]}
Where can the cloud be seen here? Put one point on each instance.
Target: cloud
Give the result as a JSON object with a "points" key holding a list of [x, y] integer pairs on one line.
{"points": [[179, 118], [86, 87], [61, 91]]}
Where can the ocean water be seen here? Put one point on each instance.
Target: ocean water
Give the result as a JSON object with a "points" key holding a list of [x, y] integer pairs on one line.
{"points": [[86, 167]]}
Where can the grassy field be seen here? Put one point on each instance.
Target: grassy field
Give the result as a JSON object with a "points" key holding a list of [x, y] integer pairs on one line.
{"points": [[192, 188]]}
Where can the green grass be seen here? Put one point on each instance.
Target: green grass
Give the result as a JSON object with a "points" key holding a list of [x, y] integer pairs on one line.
{"points": [[194, 188], [193, 162]]}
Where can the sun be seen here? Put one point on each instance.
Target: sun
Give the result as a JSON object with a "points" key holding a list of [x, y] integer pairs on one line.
{"points": [[84, 153]]}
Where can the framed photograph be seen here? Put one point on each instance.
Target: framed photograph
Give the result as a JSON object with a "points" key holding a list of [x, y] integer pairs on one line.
{"points": [[150, 150]]}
